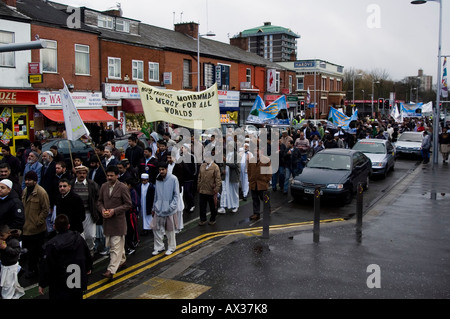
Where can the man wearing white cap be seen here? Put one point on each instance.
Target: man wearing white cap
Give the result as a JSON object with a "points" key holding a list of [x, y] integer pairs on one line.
{"points": [[146, 192], [11, 207]]}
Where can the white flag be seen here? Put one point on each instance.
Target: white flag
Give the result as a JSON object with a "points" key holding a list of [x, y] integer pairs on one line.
{"points": [[75, 127]]}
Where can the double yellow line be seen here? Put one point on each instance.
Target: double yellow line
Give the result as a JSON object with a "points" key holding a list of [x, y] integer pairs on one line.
{"points": [[138, 268]]}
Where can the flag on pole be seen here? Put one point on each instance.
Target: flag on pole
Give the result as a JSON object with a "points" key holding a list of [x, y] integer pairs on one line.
{"points": [[444, 87], [75, 127]]}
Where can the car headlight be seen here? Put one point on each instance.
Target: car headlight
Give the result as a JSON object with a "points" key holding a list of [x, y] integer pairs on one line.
{"points": [[335, 186], [379, 164], [296, 182]]}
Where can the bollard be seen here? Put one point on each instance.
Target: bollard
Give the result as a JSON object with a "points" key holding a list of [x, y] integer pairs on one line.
{"points": [[316, 229], [359, 212], [266, 215]]}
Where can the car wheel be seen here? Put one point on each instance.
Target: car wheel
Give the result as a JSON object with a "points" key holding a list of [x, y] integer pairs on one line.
{"points": [[348, 197]]}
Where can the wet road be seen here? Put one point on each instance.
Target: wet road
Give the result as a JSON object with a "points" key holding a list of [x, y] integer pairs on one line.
{"points": [[285, 212]]}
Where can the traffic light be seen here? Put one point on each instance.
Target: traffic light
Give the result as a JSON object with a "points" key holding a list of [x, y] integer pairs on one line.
{"points": [[302, 105], [380, 102], [386, 104]]}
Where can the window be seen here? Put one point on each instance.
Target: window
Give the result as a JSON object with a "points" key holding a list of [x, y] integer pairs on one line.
{"points": [[7, 59], [137, 70], [187, 78], [153, 72], [105, 22], [208, 75], [114, 68], [300, 83], [82, 63], [49, 57], [122, 25], [223, 77], [248, 75]]}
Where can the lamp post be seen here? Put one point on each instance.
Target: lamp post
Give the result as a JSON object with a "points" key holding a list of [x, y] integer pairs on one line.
{"points": [[360, 74], [438, 93], [209, 34], [373, 82]]}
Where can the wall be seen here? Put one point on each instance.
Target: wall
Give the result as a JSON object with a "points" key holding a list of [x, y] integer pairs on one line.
{"points": [[17, 77], [66, 40]]}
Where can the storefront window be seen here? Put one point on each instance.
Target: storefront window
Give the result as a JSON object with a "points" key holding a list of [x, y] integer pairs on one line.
{"points": [[13, 126]]}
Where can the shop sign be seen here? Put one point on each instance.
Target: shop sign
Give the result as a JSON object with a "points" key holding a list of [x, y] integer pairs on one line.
{"points": [[35, 78], [34, 68], [81, 100], [167, 78], [121, 91], [228, 95], [18, 97]]}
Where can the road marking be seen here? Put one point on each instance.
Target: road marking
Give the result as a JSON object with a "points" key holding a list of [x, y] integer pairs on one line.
{"points": [[156, 260]]}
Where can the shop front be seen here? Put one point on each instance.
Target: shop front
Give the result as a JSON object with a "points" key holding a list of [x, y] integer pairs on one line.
{"points": [[49, 118], [16, 117], [229, 107]]}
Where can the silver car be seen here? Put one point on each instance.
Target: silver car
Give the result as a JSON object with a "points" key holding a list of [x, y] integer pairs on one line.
{"points": [[381, 153], [409, 143]]}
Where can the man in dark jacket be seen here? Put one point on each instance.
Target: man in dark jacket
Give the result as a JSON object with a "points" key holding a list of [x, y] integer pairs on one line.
{"points": [[88, 191], [11, 207], [70, 204], [65, 264], [134, 153]]}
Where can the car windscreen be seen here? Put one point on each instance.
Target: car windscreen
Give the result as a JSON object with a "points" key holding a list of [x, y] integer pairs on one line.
{"points": [[408, 137], [330, 161], [370, 147]]}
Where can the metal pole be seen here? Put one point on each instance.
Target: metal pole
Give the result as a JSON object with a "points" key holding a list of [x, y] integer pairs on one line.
{"points": [[359, 212], [316, 229], [10, 47], [438, 93], [198, 61]]}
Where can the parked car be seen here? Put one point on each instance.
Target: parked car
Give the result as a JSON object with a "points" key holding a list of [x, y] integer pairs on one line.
{"points": [[122, 142], [409, 143], [337, 172], [380, 152], [77, 148]]}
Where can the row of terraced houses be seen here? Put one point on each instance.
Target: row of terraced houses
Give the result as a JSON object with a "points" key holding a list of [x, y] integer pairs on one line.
{"points": [[101, 55]]}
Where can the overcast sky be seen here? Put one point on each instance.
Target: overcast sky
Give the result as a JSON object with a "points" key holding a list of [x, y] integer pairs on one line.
{"points": [[391, 35]]}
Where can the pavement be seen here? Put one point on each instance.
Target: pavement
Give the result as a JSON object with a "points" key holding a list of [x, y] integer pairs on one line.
{"points": [[403, 252]]}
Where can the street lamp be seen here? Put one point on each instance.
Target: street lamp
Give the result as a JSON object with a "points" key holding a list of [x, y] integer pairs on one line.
{"points": [[360, 74], [373, 82], [438, 93], [209, 34]]}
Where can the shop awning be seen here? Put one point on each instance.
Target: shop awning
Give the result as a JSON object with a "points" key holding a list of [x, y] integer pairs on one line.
{"points": [[86, 115], [132, 106]]}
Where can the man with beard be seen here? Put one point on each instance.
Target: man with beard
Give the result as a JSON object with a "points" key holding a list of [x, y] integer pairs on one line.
{"points": [[32, 165], [70, 203]]}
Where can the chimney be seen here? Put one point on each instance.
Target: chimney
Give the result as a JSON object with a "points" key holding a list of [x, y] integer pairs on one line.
{"points": [[11, 3], [188, 28], [240, 42], [114, 12]]}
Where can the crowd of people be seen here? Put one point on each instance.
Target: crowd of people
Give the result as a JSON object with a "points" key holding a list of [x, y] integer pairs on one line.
{"points": [[62, 214]]}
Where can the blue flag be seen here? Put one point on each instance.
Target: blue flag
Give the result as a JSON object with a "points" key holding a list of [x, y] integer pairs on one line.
{"points": [[262, 114], [340, 119]]}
